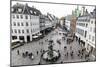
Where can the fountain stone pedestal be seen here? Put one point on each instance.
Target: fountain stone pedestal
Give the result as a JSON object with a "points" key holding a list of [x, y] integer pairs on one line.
{"points": [[51, 55]]}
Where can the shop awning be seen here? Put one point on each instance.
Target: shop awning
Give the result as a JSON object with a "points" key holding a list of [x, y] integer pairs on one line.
{"points": [[34, 36], [16, 40]]}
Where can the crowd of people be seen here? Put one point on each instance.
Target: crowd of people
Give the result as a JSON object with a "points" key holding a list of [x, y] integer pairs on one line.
{"points": [[80, 53], [26, 54]]}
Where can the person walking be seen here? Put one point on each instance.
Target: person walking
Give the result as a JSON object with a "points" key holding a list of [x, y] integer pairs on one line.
{"points": [[18, 52], [71, 55], [65, 47], [37, 52], [26, 53], [67, 53]]}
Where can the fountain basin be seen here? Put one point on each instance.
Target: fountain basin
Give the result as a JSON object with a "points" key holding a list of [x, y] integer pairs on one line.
{"points": [[48, 58]]}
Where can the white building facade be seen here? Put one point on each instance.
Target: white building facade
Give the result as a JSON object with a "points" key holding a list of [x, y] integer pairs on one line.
{"points": [[91, 41], [82, 28], [24, 22], [85, 32]]}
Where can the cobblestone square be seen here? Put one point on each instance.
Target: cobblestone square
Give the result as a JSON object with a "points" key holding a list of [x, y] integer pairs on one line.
{"points": [[35, 46]]}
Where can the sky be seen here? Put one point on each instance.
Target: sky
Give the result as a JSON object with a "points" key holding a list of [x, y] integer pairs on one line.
{"points": [[59, 10]]}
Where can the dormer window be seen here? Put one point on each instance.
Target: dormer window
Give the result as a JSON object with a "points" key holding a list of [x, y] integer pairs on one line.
{"points": [[31, 11], [35, 12], [17, 16], [19, 10]]}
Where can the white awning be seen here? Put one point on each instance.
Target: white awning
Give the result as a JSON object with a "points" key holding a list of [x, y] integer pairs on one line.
{"points": [[35, 36], [16, 40]]}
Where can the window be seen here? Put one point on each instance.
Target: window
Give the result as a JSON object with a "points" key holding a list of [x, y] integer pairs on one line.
{"points": [[26, 23], [13, 16], [17, 16], [94, 30], [81, 24], [15, 31], [22, 24], [89, 37], [86, 25], [30, 17], [91, 22], [26, 17], [80, 31], [27, 31], [21, 16], [31, 30], [90, 29], [31, 23], [84, 20], [22, 31], [14, 23], [85, 33], [11, 24], [12, 31], [19, 31], [18, 24], [34, 12], [94, 52], [92, 38]]}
